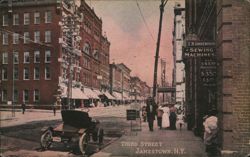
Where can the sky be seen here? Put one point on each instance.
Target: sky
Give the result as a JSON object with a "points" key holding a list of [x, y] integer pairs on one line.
{"points": [[133, 41]]}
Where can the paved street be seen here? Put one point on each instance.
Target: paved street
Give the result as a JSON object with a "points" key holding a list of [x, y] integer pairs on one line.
{"points": [[16, 139]]}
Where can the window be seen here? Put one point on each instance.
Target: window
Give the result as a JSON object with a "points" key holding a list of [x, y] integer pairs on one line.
{"points": [[5, 20], [5, 38], [26, 37], [15, 95], [26, 57], [47, 36], [37, 18], [25, 95], [86, 48], [16, 57], [36, 36], [47, 56], [36, 73], [48, 17], [25, 73], [15, 19], [26, 18], [47, 73], [36, 95], [5, 58], [15, 38], [4, 95], [4, 74], [37, 57], [16, 73]]}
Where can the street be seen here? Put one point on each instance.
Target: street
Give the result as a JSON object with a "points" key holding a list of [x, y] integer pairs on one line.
{"points": [[23, 139], [21, 136]]}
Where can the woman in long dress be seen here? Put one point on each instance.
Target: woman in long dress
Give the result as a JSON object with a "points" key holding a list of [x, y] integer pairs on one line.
{"points": [[165, 116]]}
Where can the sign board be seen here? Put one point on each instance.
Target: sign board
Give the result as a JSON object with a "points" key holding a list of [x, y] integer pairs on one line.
{"points": [[199, 49], [208, 72], [191, 52], [200, 43], [9, 102], [131, 114]]}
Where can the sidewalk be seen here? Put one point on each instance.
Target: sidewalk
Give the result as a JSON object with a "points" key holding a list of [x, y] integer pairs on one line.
{"points": [[160, 143]]}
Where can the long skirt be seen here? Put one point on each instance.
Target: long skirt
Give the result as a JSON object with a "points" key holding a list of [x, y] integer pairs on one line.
{"points": [[165, 120]]}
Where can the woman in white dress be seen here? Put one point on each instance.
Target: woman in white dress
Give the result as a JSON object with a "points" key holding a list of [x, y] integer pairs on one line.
{"points": [[165, 116]]}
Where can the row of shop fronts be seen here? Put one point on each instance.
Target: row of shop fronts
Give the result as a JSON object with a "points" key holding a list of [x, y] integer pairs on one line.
{"points": [[87, 97]]}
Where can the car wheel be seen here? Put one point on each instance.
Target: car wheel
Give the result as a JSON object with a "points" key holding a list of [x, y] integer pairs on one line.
{"points": [[46, 139], [83, 142]]}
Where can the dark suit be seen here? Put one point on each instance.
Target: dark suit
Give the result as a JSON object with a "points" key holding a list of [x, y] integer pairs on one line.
{"points": [[151, 113]]}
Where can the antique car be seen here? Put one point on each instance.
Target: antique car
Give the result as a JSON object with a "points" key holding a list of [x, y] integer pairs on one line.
{"points": [[77, 126]]}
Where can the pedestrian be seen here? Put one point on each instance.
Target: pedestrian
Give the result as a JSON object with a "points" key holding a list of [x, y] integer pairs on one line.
{"points": [[151, 112], [180, 120], [23, 107], [159, 117], [165, 116], [211, 133], [172, 118], [54, 110], [144, 114]]}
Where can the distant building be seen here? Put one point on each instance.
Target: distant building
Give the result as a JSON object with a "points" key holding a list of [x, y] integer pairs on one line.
{"points": [[116, 81], [139, 89], [125, 81]]}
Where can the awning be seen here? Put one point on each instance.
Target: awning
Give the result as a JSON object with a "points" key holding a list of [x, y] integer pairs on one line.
{"points": [[109, 96], [126, 96], [117, 95], [90, 93], [78, 94], [97, 92]]}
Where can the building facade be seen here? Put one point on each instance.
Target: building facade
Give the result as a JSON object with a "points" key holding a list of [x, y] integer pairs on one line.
{"points": [[116, 81], [41, 58], [179, 67], [225, 23], [125, 81], [29, 52]]}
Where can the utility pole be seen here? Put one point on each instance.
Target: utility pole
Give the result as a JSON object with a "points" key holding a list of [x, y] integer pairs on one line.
{"points": [[71, 30], [163, 3]]}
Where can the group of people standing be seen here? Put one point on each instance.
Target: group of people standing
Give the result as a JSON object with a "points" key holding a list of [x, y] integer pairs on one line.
{"points": [[166, 115]]}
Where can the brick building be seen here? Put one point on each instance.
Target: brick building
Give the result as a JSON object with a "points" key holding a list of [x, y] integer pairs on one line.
{"points": [[35, 45], [138, 89], [233, 40], [116, 81], [125, 81], [225, 22], [29, 69]]}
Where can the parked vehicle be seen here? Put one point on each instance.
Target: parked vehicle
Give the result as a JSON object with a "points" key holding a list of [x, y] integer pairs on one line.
{"points": [[78, 127]]}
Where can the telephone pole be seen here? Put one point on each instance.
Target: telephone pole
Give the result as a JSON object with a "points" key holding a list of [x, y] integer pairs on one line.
{"points": [[163, 3]]}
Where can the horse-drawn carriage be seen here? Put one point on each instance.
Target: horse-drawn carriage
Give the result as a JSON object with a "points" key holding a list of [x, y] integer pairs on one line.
{"points": [[77, 126]]}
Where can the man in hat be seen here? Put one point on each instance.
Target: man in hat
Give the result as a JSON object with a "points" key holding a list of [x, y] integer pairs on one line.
{"points": [[151, 112]]}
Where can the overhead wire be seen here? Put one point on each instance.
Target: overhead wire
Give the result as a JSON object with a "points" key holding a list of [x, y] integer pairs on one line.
{"points": [[144, 20]]}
